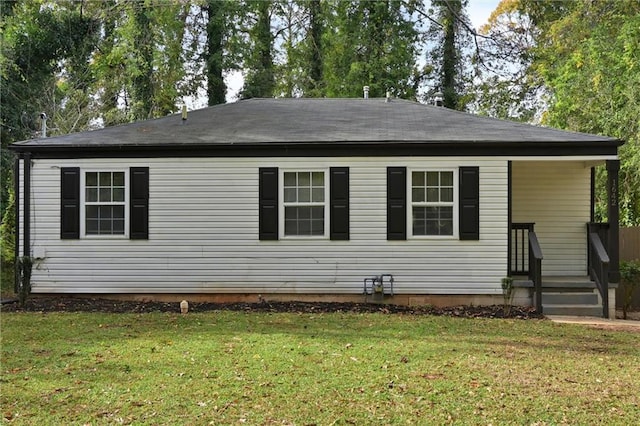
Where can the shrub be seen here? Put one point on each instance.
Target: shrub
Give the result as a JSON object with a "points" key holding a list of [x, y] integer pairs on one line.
{"points": [[630, 280]]}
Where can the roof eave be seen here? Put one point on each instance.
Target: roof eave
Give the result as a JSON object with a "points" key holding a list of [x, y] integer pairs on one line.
{"points": [[331, 149]]}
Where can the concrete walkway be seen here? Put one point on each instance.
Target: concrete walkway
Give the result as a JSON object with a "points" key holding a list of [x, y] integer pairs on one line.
{"points": [[594, 321]]}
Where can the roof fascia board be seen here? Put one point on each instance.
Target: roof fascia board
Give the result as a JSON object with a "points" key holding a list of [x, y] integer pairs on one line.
{"points": [[332, 149]]}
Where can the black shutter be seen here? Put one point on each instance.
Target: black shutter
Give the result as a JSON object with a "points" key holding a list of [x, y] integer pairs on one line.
{"points": [[70, 203], [396, 203], [469, 203], [339, 203], [139, 203], [268, 208]]}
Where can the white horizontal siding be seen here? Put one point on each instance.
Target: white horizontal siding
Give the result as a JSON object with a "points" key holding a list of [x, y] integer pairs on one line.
{"points": [[203, 219], [557, 197]]}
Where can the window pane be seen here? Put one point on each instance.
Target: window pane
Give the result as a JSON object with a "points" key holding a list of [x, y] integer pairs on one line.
{"points": [[105, 212], [91, 195], [446, 178], [289, 179], [317, 212], [419, 213], [290, 227], [92, 226], [318, 179], [118, 226], [432, 179], [91, 212], [304, 179], [419, 227], [105, 194], [432, 228], [290, 213], [304, 227], [304, 212], [92, 179], [118, 179], [446, 212], [105, 178], [105, 226], [118, 212], [290, 195], [446, 194], [417, 195], [317, 227], [118, 194], [432, 195], [318, 195], [417, 179], [446, 227], [304, 195], [432, 212]]}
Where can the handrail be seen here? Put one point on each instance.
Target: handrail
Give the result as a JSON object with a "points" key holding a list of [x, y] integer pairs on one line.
{"points": [[597, 245], [599, 269], [535, 246], [518, 243], [535, 268]]}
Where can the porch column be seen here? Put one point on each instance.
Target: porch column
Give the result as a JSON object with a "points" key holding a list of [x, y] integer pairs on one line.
{"points": [[613, 167]]}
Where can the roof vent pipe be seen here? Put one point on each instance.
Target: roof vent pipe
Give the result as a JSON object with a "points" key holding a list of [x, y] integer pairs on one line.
{"points": [[184, 113], [366, 92], [43, 117], [388, 96]]}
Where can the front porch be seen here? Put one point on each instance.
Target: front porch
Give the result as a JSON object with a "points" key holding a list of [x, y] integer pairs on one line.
{"points": [[569, 262]]}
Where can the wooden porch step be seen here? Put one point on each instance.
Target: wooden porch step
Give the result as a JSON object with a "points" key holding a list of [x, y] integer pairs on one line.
{"points": [[570, 298], [567, 283], [573, 310]]}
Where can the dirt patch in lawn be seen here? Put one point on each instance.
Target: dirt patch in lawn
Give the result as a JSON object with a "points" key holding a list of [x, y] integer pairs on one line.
{"points": [[77, 304]]}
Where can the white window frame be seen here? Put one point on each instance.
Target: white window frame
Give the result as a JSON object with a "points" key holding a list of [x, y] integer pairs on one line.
{"points": [[455, 204], [83, 203], [282, 204]]}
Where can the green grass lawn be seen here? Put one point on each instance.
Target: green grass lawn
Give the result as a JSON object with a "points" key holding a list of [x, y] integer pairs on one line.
{"points": [[257, 368]]}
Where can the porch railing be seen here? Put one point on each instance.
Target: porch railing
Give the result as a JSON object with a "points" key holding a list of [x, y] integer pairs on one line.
{"points": [[535, 268], [597, 234], [519, 256]]}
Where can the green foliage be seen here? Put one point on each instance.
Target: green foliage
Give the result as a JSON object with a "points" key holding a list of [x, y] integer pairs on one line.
{"points": [[7, 228], [630, 281], [574, 66], [214, 66], [370, 44], [588, 58], [260, 80]]}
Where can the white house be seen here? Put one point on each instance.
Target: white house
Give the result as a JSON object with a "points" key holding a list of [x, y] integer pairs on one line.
{"points": [[304, 199]]}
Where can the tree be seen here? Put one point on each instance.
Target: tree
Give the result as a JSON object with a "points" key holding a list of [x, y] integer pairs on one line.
{"points": [[372, 44], [573, 66], [588, 58], [214, 68], [505, 87], [450, 30], [259, 81]]}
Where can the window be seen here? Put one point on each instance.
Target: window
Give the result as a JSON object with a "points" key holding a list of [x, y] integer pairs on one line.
{"points": [[104, 203], [309, 203], [432, 202], [304, 203]]}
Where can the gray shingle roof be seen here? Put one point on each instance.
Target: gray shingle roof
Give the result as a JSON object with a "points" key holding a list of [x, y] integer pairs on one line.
{"points": [[310, 121]]}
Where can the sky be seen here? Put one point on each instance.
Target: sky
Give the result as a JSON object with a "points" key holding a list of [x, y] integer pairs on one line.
{"points": [[478, 11]]}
